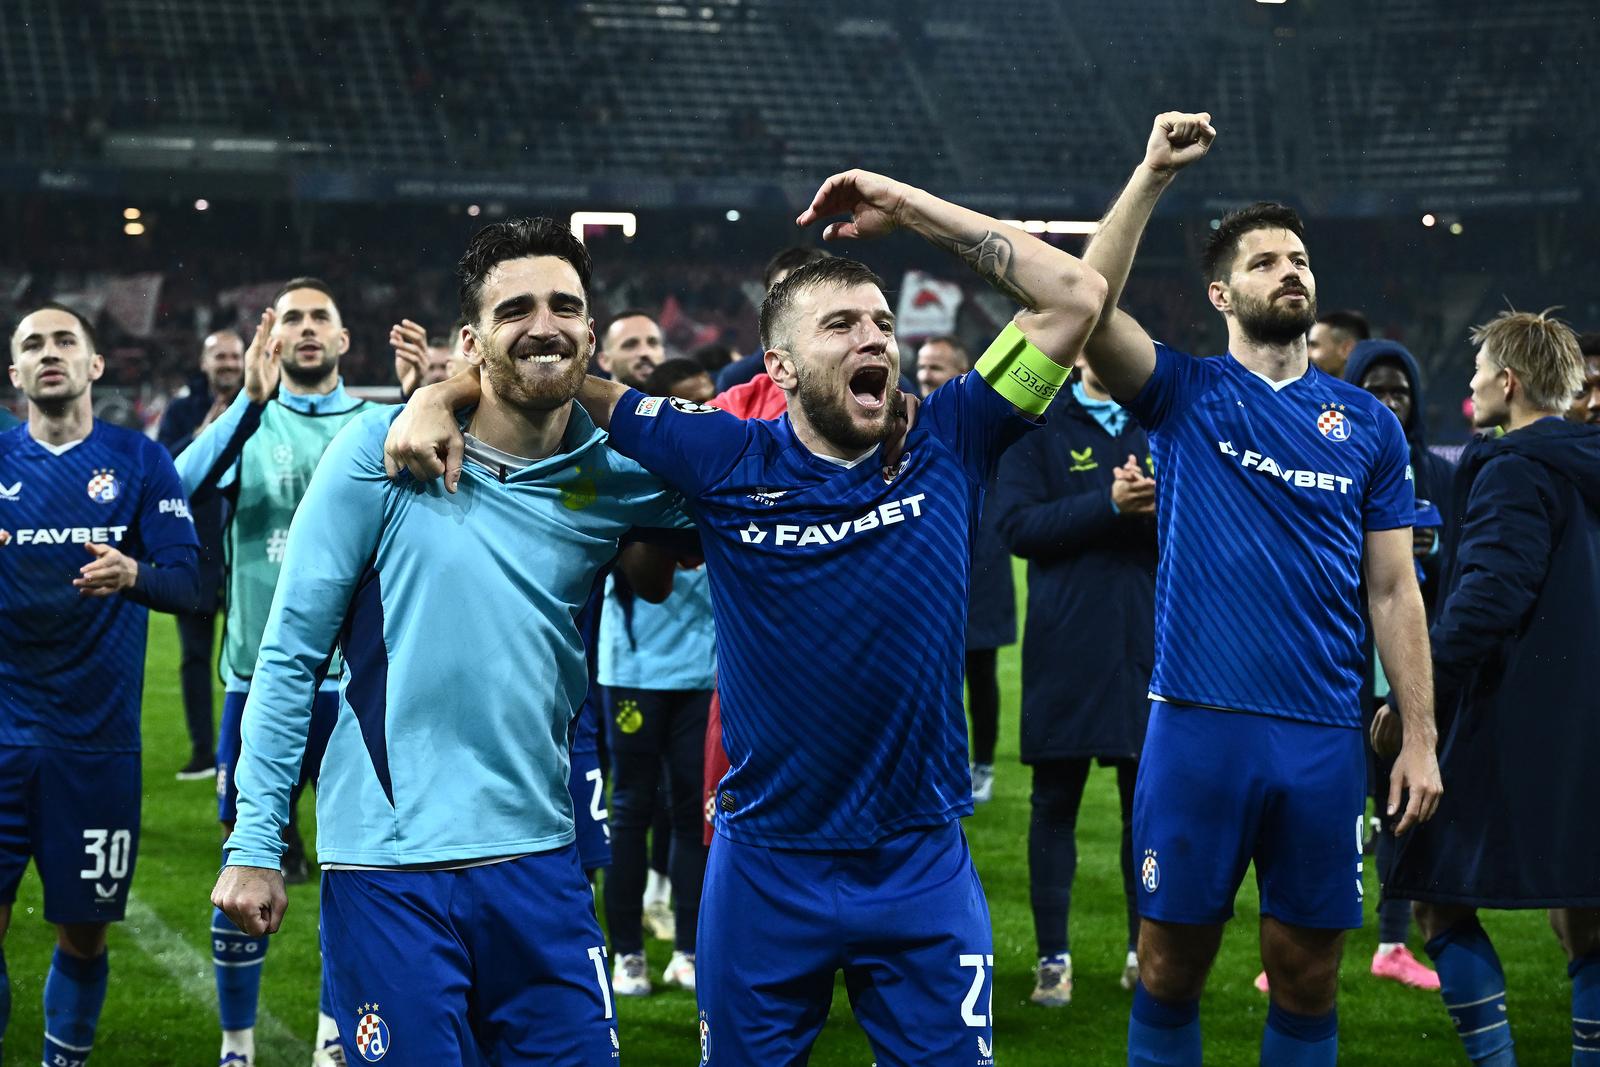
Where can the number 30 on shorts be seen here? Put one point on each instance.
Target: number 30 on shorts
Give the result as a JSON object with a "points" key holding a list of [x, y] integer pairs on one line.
{"points": [[108, 853]]}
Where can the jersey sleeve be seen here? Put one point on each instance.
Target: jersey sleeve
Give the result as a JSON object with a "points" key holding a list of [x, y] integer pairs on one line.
{"points": [[1391, 500], [332, 541], [977, 422], [205, 464], [689, 446], [169, 566], [1175, 383]]}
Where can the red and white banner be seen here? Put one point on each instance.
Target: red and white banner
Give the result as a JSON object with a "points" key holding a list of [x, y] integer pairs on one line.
{"points": [[928, 306]]}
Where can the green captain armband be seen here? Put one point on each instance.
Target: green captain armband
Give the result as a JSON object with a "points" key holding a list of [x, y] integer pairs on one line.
{"points": [[1020, 372]]}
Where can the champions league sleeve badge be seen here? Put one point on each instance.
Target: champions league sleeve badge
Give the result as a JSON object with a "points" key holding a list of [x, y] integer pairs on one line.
{"points": [[104, 487], [372, 1033]]}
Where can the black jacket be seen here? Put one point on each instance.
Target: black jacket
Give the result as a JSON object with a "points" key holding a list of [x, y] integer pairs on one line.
{"points": [[1089, 640], [179, 424], [1513, 648]]}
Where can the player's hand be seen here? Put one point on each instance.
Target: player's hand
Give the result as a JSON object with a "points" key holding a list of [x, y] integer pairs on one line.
{"points": [[109, 574], [252, 897], [1423, 540], [425, 439], [261, 360], [875, 204], [1385, 733], [1416, 772], [410, 344], [1178, 139], [903, 417]]}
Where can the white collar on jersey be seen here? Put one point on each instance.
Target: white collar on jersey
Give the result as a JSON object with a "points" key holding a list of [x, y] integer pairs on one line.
{"points": [[59, 450], [845, 463], [1277, 387], [490, 456]]}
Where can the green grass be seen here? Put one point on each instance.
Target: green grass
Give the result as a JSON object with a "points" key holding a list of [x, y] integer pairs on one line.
{"points": [[156, 1014]]}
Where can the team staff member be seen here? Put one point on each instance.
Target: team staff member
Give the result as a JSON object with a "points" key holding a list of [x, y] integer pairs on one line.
{"points": [[1513, 653], [1084, 518]]}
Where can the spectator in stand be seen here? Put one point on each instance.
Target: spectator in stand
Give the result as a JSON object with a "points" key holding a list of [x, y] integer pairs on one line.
{"points": [[992, 602], [685, 379], [1087, 529], [1332, 337], [1586, 404], [208, 396]]}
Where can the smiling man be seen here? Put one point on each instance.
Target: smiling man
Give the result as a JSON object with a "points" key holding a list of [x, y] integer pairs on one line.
{"points": [[839, 845], [632, 348], [259, 455], [457, 924]]}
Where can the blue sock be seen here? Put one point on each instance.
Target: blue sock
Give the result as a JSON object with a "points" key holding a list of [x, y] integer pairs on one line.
{"points": [[1585, 974], [1163, 1033], [1294, 1040], [73, 994], [237, 957], [1474, 990], [5, 1004]]}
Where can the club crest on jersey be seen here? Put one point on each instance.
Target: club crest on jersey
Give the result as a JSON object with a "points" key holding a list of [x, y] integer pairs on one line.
{"points": [[1150, 872], [104, 487], [372, 1033], [705, 1040], [1332, 423]]}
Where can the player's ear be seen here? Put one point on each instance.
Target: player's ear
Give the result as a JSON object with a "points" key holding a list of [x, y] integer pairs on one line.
{"points": [[470, 349], [16, 383], [344, 340], [1221, 299], [781, 367], [97, 367]]}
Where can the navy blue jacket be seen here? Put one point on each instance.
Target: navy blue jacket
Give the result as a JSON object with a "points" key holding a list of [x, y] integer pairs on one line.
{"points": [[1433, 473], [179, 424], [1513, 651], [1088, 643]]}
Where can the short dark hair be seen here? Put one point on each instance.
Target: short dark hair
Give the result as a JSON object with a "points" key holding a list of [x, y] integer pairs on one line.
{"points": [[834, 270], [305, 281], [670, 373], [630, 313], [83, 321], [1352, 323], [1223, 243], [516, 239], [1589, 343], [954, 342], [789, 259], [712, 357]]}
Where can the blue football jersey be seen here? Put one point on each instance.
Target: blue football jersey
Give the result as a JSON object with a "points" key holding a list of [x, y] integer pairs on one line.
{"points": [[840, 605], [1264, 495], [72, 667]]}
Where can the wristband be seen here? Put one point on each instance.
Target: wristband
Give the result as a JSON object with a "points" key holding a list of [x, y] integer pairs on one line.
{"points": [[1021, 373]]}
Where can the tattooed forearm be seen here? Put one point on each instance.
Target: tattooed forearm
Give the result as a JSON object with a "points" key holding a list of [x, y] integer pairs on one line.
{"points": [[991, 254]]}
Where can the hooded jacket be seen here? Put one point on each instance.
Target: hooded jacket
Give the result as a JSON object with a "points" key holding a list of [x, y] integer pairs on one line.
{"points": [[1513, 645], [1434, 474]]}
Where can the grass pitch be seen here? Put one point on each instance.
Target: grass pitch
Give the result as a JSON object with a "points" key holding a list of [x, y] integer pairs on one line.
{"points": [[160, 1011]]}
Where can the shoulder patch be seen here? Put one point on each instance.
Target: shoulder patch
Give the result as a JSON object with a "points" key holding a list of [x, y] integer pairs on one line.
{"points": [[688, 407], [648, 407]]}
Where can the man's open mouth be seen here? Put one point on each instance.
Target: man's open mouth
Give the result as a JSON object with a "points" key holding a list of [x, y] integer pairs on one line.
{"points": [[869, 384]]}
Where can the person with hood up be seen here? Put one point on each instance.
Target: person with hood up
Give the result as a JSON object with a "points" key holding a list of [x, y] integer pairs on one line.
{"points": [[1388, 371], [1513, 648]]}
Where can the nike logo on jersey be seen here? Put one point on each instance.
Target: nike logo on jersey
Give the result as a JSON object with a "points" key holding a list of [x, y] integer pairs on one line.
{"points": [[77, 535], [10, 492], [827, 533], [1301, 479]]}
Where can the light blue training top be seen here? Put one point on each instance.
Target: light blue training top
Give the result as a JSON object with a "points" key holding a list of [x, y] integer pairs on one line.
{"points": [[463, 663], [670, 645]]}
